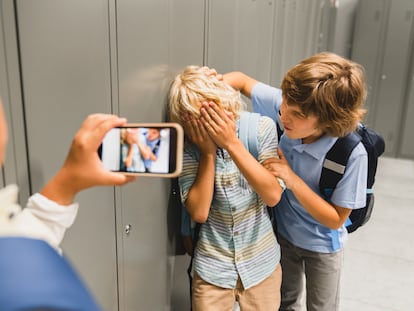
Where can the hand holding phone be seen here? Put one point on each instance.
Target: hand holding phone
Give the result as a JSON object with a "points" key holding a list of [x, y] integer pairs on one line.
{"points": [[144, 149]]}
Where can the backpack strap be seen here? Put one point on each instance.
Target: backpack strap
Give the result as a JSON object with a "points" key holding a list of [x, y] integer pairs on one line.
{"points": [[248, 129], [335, 163], [333, 169]]}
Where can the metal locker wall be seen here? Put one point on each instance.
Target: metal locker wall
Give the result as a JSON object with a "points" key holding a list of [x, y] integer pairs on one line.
{"points": [[15, 168], [382, 43], [370, 25], [407, 143], [239, 36], [156, 39], [4, 97], [343, 20], [300, 30], [394, 73], [65, 63], [265, 38]]}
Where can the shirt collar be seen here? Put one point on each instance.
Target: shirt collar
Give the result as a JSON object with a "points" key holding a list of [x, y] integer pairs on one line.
{"points": [[317, 149]]}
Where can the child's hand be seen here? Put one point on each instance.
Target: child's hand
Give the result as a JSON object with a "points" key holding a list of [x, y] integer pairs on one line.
{"points": [[220, 124], [280, 168], [198, 135], [212, 72], [82, 168]]}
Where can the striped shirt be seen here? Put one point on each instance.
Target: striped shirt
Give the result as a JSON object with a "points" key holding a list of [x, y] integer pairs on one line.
{"points": [[237, 239]]}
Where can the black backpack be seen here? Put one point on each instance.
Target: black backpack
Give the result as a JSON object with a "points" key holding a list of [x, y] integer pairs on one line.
{"points": [[334, 167]]}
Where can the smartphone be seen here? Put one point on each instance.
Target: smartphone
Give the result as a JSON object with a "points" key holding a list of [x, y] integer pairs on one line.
{"points": [[144, 149]]}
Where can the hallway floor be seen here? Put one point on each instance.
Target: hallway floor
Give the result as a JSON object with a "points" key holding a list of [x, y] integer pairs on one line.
{"points": [[379, 257]]}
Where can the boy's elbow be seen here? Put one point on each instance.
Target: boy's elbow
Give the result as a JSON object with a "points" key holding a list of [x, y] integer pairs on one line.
{"points": [[198, 211], [334, 225], [273, 199], [199, 217]]}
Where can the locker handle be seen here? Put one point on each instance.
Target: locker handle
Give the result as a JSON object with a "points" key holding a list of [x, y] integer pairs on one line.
{"points": [[128, 228]]}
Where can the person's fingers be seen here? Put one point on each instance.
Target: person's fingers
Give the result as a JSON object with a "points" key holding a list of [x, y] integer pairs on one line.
{"points": [[109, 123], [94, 128], [119, 179], [217, 114]]}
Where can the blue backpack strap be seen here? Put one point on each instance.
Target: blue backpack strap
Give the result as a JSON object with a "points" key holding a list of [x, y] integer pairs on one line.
{"points": [[335, 162], [248, 129], [333, 169], [35, 277]]}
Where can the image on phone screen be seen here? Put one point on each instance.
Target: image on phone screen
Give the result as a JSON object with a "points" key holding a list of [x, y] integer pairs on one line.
{"points": [[142, 150]]}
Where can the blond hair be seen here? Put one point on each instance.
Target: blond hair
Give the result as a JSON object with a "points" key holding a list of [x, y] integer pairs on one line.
{"points": [[193, 86], [329, 87]]}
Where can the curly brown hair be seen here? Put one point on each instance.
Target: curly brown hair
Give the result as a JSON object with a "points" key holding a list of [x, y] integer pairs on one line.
{"points": [[329, 87]]}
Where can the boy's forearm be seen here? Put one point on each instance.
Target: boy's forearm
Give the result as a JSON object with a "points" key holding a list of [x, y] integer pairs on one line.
{"points": [[259, 178], [240, 82], [60, 189], [326, 213], [200, 195]]}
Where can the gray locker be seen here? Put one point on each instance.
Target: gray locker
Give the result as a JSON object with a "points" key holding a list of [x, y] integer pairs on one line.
{"points": [[383, 36], [301, 28], [66, 75], [239, 36], [156, 39], [342, 20], [265, 38], [3, 83], [394, 73], [15, 169], [367, 46], [407, 144]]}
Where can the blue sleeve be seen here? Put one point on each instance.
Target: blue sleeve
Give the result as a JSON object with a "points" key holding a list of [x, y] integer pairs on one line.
{"points": [[266, 100], [350, 191]]}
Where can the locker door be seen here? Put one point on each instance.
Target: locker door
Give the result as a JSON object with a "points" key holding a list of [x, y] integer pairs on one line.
{"points": [[156, 39], [64, 50], [341, 39], [3, 82], [407, 143], [15, 168], [367, 46], [392, 86], [300, 30], [240, 36]]}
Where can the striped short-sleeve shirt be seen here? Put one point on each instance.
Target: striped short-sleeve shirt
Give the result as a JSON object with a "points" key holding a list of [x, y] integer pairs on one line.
{"points": [[238, 239]]}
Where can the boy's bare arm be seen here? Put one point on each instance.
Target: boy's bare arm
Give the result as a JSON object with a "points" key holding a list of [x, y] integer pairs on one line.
{"points": [[200, 195], [240, 81], [331, 216]]}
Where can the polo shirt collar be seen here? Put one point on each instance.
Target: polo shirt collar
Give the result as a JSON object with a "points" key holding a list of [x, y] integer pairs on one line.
{"points": [[317, 149]]}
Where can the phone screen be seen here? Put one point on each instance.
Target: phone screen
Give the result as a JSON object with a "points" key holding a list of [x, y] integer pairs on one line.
{"points": [[144, 149]]}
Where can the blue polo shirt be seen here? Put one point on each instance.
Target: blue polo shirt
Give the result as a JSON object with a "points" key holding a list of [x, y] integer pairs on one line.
{"points": [[293, 222]]}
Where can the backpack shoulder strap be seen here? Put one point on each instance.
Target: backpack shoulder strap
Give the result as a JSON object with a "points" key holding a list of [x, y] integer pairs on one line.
{"points": [[335, 162], [248, 129], [333, 169]]}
